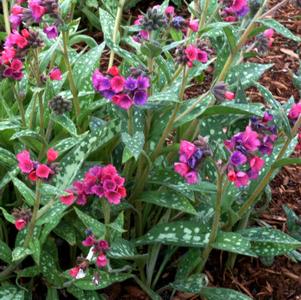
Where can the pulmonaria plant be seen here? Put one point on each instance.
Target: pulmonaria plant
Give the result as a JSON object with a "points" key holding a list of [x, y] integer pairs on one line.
{"points": [[102, 182], [123, 92], [265, 41], [247, 147], [96, 255], [234, 10], [191, 157], [36, 170]]}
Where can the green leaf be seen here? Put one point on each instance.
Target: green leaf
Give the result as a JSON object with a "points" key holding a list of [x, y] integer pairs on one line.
{"points": [[9, 292], [8, 217], [286, 161], [29, 272], [279, 28], [123, 249], [192, 284], [134, 143], [25, 191], [66, 123], [5, 253], [247, 73], [233, 242], [182, 233], [220, 293], [106, 280], [150, 49], [169, 199], [107, 22], [270, 242], [35, 248], [7, 158], [20, 253], [52, 294], [187, 263], [66, 232], [98, 228], [27, 133], [10, 124]]}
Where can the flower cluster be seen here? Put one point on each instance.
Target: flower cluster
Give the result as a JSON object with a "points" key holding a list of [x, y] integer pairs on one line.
{"points": [[246, 147], [191, 157], [98, 181], [97, 254], [123, 92], [32, 13], [22, 217], [293, 115], [36, 170], [190, 54], [154, 19], [235, 9], [265, 41]]}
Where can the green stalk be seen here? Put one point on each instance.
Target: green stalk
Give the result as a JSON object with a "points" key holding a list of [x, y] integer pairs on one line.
{"points": [[106, 209], [204, 14], [240, 43], [20, 105], [266, 179], [215, 224], [116, 30], [73, 88], [41, 109], [6, 16]]}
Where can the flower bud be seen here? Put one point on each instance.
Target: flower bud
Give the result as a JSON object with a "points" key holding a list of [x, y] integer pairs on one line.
{"points": [[59, 105]]}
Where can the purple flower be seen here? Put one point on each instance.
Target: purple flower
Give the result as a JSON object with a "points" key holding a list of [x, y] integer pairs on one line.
{"points": [[131, 84], [143, 82], [237, 158], [108, 94], [100, 82], [51, 32], [140, 97]]}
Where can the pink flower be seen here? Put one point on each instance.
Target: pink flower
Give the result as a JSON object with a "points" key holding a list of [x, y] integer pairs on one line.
{"points": [[32, 176], [181, 168], [202, 56], [37, 10], [52, 155], [295, 111], [113, 197], [117, 84], [25, 163], [74, 271], [89, 241], [104, 245], [20, 224], [101, 261], [250, 139], [138, 20], [7, 55], [113, 71], [68, 199], [191, 52], [51, 32], [170, 11], [229, 95], [55, 74], [238, 5], [194, 25], [123, 101], [242, 179], [43, 171], [269, 33], [231, 176], [192, 177], [256, 163], [187, 148]]}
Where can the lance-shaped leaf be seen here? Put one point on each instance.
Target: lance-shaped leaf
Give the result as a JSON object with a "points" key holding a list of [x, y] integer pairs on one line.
{"points": [[10, 292], [5, 252], [192, 284], [25, 191], [134, 143], [220, 293], [182, 233], [20, 253], [7, 158], [270, 242], [169, 199]]}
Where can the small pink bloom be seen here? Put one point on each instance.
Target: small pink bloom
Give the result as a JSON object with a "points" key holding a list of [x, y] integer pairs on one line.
{"points": [[229, 95], [121, 191], [104, 245], [256, 163], [181, 168], [113, 197], [269, 33], [239, 4], [37, 10], [250, 139], [202, 56], [52, 155], [55, 74], [231, 176], [123, 101], [74, 271], [43, 171], [187, 148], [194, 25], [192, 177], [25, 163], [68, 199], [89, 241], [242, 179], [117, 84], [230, 19], [20, 224], [101, 261], [138, 20], [295, 111], [191, 53], [113, 71], [170, 11]]}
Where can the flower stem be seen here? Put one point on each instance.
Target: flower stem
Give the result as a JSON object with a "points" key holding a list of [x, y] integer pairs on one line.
{"points": [[215, 224], [20, 105], [204, 14], [73, 89], [264, 182], [6, 16], [116, 30]]}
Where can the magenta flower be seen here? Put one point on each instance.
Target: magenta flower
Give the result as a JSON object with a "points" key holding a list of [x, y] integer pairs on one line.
{"points": [[52, 155], [37, 10], [170, 11], [250, 139], [68, 199], [237, 158], [181, 168], [143, 82], [25, 163], [194, 25], [192, 177], [117, 84], [20, 224], [191, 52], [100, 82], [131, 84], [242, 179], [202, 56], [101, 261], [55, 74], [187, 148], [140, 97], [51, 32], [43, 171], [295, 111], [123, 101], [89, 241]]}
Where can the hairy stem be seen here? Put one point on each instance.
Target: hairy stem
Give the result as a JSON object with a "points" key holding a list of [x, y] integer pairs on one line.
{"points": [[73, 88], [20, 105], [204, 14], [116, 30], [6, 16]]}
